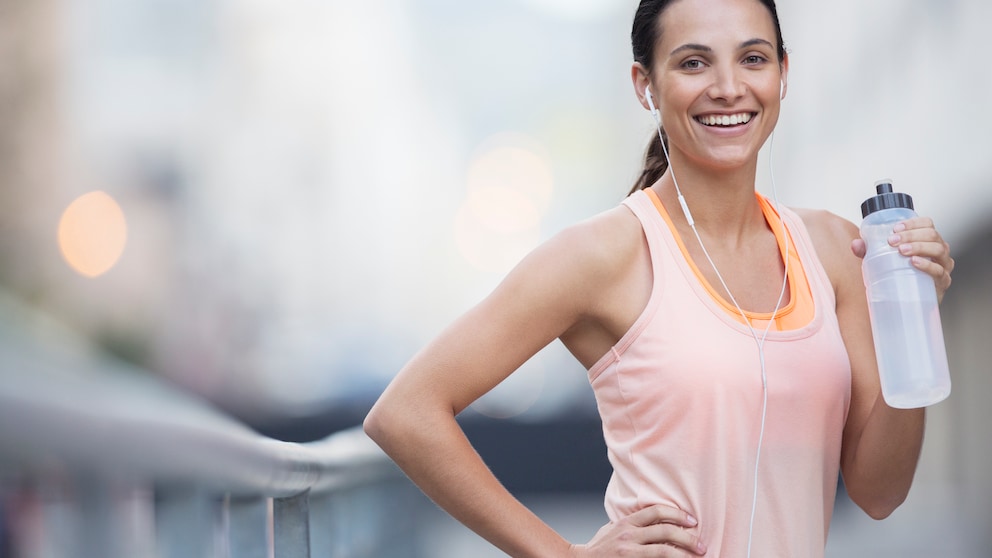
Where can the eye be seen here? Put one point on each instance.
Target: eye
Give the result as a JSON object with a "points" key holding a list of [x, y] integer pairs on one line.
{"points": [[754, 59], [692, 64]]}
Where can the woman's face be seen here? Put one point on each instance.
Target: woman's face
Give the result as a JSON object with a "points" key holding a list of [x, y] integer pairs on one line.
{"points": [[716, 79]]}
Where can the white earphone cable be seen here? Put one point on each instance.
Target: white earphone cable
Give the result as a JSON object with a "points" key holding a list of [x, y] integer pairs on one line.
{"points": [[760, 342]]}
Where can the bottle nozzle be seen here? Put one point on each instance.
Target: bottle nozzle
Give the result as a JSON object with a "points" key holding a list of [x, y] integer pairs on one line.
{"points": [[884, 186], [885, 199]]}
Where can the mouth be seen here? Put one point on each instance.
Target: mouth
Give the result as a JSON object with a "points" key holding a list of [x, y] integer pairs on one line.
{"points": [[725, 120]]}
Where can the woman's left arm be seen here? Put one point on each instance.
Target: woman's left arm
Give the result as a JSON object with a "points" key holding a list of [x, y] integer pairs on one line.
{"points": [[881, 445]]}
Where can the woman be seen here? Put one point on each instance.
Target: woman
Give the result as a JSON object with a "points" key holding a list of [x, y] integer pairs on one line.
{"points": [[725, 439]]}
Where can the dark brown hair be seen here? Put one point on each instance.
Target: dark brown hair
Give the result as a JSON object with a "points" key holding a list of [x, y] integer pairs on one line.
{"points": [[644, 35]]}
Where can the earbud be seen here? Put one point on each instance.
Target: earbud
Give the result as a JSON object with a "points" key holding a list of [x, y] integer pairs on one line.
{"points": [[781, 90], [650, 99]]}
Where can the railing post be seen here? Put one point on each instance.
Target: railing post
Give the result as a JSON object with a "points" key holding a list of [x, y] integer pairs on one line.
{"points": [[327, 524], [394, 532], [59, 517], [248, 527], [94, 514], [185, 519], [291, 520]]}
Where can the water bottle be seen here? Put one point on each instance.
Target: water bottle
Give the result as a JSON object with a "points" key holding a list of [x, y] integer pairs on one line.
{"points": [[902, 304]]}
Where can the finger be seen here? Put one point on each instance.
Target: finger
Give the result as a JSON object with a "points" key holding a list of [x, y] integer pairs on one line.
{"points": [[859, 247], [915, 235], [924, 242], [941, 275], [937, 251], [675, 536], [914, 223], [659, 513]]}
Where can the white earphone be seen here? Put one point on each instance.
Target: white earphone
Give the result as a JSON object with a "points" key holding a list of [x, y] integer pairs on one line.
{"points": [[650, 100]]}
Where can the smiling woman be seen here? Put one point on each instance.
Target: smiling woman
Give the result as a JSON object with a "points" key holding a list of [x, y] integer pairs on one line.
{"points": [[729, 349], [691, 58]]}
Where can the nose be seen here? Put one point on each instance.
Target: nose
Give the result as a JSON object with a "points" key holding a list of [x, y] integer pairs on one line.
{"points": [[727, 85]]}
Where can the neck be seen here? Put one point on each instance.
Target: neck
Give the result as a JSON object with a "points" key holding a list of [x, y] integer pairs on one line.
{"points": [[722, 201]]}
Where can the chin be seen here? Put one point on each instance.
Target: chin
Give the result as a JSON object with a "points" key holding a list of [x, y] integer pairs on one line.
{"points": [[729, 160]]}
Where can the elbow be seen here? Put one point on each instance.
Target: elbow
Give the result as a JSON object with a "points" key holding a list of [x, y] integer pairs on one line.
{"points": [[398, 426], [389, 424], [376, 426], [881, 511], [878, 507], [370, 426]]}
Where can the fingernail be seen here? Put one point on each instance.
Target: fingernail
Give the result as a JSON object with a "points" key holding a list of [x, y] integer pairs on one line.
{"points": [[701, 547], [904, 249], [894, 239], [691, 520], [899, 227]]}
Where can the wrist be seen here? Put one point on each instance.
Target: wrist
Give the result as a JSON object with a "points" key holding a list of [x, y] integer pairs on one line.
{"points": [[576, 551]]}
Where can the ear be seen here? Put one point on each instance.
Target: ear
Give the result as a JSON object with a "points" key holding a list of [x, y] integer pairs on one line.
{"points": [[640, 79], [785, 77]]}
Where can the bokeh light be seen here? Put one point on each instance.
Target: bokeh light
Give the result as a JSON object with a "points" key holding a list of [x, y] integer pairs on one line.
{"points": [[518, 393], [509, 185], [513, 162], [92, 233]]}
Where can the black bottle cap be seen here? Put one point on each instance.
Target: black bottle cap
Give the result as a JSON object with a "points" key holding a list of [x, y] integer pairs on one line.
{"points": [[885, 199]]}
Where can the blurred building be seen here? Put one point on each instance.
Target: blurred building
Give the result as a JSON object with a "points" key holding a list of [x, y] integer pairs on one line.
{"points": [[31, 137]]}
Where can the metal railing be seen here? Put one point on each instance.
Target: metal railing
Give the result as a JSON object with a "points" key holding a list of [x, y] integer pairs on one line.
{"points": [[98, 460]]}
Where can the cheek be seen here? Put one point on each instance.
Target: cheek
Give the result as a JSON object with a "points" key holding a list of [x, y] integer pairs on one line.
{"points": [[676, 102], [770, 91]]}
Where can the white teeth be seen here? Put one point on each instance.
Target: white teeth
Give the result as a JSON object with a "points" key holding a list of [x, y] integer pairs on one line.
{"points": [[725, 120]]}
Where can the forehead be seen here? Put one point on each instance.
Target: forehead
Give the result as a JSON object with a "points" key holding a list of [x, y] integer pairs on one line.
{"points": [[714, 23]]}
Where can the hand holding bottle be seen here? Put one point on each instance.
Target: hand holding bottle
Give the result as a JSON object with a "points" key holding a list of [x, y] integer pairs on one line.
{"points": [[918, 239], [901, 283]]}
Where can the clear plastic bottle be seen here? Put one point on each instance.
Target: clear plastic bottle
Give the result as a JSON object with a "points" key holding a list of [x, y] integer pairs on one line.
{"points": [[902, 303]]}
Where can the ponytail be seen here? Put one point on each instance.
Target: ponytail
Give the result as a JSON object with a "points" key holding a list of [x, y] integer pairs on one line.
{"points": [[655, 163]]}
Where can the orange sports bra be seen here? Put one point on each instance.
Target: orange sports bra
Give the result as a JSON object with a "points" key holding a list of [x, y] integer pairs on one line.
{"points": [[794, 315]]}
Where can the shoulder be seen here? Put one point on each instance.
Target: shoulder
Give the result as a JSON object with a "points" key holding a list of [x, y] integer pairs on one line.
{"points": [[827, 228], [603, 241], [831, 236], [579, 267], [593, 250]]}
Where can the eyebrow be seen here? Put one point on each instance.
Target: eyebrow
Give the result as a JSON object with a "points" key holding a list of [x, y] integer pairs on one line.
{"points": [[704, 48]]}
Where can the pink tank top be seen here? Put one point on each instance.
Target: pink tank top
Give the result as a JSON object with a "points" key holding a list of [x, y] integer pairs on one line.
{"points": [[680, 398]]}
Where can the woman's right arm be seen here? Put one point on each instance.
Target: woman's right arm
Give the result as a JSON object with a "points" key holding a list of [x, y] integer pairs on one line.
{"points": [[561, 284]]}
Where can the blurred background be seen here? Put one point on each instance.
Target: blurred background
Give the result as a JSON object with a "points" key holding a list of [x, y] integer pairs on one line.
{"points": [[275, 204]]}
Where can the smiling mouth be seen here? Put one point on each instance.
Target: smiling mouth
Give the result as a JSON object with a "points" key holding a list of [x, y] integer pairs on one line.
{"points": [[725, 120]]}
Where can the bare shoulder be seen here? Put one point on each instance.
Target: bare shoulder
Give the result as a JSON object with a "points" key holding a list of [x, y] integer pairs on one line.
{"points": [[605, 280], [603, 243], [824, 226], [578, 277], [831, 236], [586, 259]]}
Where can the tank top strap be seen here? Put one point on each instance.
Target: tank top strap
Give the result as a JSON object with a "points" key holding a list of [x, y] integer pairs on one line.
{"points": [[643, 208], [816, 274]]}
